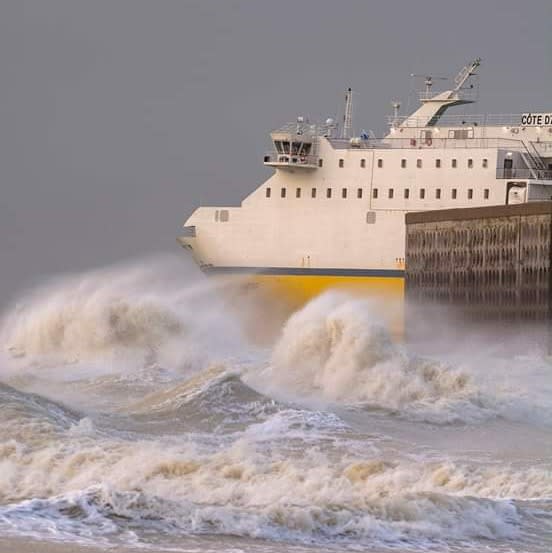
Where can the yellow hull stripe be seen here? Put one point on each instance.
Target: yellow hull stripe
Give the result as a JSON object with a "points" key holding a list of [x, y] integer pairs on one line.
{"points": [[302, 288], [386, 293]]}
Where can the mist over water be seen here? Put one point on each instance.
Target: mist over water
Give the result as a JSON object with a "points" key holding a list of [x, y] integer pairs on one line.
{"points": [[137, 409]]}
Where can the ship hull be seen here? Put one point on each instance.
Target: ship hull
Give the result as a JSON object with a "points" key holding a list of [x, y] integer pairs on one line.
{"points": [[293, 288]]}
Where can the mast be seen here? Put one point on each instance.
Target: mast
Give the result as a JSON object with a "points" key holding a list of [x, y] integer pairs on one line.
{"points": [[434, 105], [348, 115], [465, 73]]}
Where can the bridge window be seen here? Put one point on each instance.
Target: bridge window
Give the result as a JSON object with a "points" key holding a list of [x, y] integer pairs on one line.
{"points": [[328, 192], [419, 163], [313, 193], [453, 163], [438, 163], [359, 193], [283, 193], [320, 162], [224, 215], [390, 193], [341, 163], [343, 192], [437, 193], [298, 193], [371, 217], [375, 193], [305, 148], [486, 193], [470, 163], [363, 163], [268, 192], [422, 193], [380, 163], [470, 193], [406, 193], [403, 163], [217, 215], [485, 163], [454, 193]]}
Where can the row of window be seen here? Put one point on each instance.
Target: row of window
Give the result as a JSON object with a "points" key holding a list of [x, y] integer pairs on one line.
{"points": [[314, 191], [422, 193], [419, 163], [375, 193]]}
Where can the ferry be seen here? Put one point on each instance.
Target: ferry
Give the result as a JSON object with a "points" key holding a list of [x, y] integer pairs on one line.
{"points": [[332, 215]]}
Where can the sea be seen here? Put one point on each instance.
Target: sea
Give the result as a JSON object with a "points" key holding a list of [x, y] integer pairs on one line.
{"points": [[144, 407]]}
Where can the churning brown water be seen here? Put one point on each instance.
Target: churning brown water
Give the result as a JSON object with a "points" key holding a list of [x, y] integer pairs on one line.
{"points": [[135, 414]]}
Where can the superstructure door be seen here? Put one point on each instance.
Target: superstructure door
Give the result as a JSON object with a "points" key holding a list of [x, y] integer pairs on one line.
{"points": [[508, 168]]}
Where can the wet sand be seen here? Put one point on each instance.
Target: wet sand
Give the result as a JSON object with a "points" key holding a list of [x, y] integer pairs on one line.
{"points": [[206, 544], [24, 545]]}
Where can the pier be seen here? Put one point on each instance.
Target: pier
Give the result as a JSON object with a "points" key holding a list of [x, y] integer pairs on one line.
{"points": [[485, 264]]}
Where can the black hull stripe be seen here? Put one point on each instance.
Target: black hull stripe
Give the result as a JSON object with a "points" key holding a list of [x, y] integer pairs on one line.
{"points": [[294, 271]]}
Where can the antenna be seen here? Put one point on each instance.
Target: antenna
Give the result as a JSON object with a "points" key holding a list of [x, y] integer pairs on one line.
{"points": [[396, 107], [348, 115], [428, 81]]}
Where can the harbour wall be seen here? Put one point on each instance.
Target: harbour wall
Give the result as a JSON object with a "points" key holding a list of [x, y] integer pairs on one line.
{"points": [[481, 265]]}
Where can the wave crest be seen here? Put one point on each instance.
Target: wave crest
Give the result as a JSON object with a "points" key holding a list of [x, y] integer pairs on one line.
{"points": [[141, 307], [336, 347]]}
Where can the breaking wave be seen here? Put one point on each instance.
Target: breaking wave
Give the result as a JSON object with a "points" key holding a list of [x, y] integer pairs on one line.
{"points": [[84, 315], [140, 314], [336, 349], [102, 511]]}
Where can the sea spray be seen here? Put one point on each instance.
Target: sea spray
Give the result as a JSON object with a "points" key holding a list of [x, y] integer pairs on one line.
{"points": [[121, 320]]}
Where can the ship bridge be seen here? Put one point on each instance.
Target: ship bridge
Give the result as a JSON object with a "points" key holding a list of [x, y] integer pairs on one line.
{"points": [[295, 145]]}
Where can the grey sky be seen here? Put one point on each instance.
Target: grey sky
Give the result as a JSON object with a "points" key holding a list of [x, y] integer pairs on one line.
{"points": [[117, 117]]}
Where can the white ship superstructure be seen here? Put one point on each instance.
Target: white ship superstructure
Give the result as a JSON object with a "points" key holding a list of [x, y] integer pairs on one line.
{"points": [[333, 212]]}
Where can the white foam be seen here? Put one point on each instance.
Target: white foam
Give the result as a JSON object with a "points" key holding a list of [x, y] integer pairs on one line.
{"points": [[336, 349], [278, 479], [242, 491]]}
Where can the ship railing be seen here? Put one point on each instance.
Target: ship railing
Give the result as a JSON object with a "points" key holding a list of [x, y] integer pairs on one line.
{"points": [[428, 143], [524, 173], [543, 149], [469, 94], [305, 129], [507, 120], [485, 120], [279, 159]]}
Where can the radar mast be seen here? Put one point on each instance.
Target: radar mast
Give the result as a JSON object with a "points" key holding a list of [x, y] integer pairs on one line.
{"points": [[434, 105]]}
